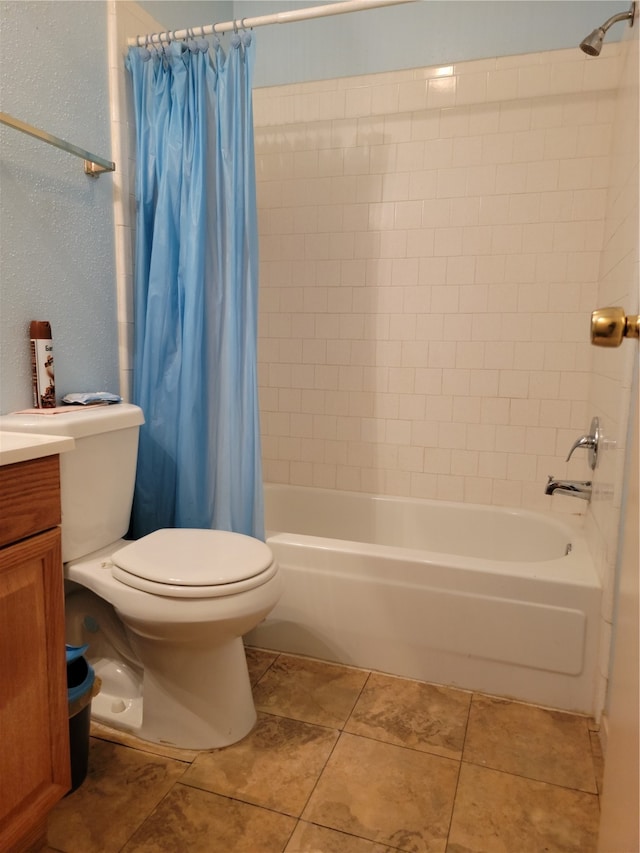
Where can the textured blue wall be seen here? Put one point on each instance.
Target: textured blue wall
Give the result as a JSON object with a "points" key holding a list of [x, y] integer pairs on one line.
{"points": [[427, 32], [56, 223]]}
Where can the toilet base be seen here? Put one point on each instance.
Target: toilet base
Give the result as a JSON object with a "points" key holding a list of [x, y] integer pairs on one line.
{"points": [[219, 713], [189, 696], [119, 702], [162, 709]]}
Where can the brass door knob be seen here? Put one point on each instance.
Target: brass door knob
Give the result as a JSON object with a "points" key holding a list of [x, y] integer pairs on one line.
{"points": [[610, 325]]}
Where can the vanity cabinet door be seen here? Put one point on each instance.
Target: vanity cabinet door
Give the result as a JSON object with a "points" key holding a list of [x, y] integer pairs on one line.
{"points": [[34, 735]]}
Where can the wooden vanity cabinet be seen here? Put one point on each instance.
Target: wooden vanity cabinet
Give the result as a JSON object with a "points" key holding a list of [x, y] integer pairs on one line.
{"points": [[34, 728]]}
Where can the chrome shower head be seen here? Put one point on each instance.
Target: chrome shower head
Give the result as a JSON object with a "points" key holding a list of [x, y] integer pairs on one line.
{"points": [[592, 44]]}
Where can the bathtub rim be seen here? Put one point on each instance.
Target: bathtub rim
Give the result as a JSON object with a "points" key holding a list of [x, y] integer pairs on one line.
{"points": [[579, 560], [574, 522], [581, 572]]}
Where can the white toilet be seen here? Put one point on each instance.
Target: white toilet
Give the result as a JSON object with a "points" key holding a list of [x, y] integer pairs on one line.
{"points": [[163, 615]]}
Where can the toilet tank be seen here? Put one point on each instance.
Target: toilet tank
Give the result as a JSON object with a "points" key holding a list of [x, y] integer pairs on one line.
{"points": [[96, 477]]}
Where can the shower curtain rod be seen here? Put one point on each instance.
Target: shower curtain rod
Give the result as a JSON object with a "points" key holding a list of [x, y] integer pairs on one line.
{"points": [[263, 20]]}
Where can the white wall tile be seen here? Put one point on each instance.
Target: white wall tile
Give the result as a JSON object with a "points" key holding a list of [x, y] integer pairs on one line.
{"points": [[429, 255], [412, 95], [502, 85], [450, 488], [441, 92]]}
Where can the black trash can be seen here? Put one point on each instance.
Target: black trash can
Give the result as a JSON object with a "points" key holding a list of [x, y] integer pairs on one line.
{"points": [[81, 687]]}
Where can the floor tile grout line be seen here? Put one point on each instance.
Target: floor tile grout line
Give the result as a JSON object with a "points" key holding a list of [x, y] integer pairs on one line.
{"points": [[357, 699], [237, 799], [225, 797], [297, 720], [161, 800], [319, 776], [598, 760], [466, 728], [415, 749], [478, 696], [594, 758], [333, 663], [455, 792], [342, 727], [291, 834], [530, 778], [322, 769], [277, 656], [453, 807], [303, 658], [155, 807], [389, 847], [509, 700], [341, 730], [297, 818]]}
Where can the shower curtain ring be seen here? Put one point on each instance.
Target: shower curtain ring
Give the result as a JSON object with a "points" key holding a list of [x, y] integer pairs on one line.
{"points": [[158, 47], [143, 49], [245, 38], [202, 43]]}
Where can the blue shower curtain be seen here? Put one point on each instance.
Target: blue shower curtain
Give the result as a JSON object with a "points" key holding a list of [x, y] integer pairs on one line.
{"points": [[195, 290]]}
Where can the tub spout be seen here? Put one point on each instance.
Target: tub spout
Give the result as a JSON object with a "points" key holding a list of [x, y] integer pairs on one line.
{"points": [[573, 488]]}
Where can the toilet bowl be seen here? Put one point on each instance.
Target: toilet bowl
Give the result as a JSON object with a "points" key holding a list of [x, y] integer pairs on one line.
{"points": [[164, 615], [182, 601]]}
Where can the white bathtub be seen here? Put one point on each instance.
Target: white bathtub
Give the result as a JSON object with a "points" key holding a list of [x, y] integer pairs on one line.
{"points": [[496, 600]]}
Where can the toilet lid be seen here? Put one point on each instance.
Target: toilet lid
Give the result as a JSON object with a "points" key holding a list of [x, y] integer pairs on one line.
{"points": [[185, 557]]}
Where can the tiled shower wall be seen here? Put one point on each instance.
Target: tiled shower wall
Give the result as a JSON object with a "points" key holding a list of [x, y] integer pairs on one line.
{"points": [[430, 246]]}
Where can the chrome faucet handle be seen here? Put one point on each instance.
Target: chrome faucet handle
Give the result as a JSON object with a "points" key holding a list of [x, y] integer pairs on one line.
{"points": [[590, 442], [584, 441]]}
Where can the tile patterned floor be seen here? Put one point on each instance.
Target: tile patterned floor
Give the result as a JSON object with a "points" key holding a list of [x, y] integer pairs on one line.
{"points": [[344, 760]]}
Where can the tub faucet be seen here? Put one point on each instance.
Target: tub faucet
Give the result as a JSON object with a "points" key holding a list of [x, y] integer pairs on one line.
{"points": [[573, 488]]}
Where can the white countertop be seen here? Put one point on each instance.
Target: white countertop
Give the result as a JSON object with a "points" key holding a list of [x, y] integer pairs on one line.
{"points": [[22, 446]]}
